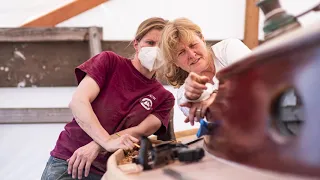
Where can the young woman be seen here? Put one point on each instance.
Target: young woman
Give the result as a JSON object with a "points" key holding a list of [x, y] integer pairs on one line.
{"points": [[114, 95]]}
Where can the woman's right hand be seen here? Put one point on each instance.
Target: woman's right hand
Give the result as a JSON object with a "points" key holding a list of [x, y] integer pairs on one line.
{"points": [[195, 85], [125, 142]]}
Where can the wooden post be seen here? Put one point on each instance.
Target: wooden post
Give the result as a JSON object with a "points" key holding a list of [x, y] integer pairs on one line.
{"points": [[251, 30], [94, 41]]}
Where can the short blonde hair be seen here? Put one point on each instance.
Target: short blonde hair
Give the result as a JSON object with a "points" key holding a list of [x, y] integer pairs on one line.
{"points": [[179, 30]]}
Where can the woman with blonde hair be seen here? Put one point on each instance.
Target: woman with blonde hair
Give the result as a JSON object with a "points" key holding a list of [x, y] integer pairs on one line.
{"points": [[117, 101], [192, 66]]}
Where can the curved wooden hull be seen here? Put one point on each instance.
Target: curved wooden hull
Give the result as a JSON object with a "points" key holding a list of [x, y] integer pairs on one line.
{"points": [[247, 92]]}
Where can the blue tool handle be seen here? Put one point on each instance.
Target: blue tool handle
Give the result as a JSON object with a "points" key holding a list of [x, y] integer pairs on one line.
{"points": [[206, 127], [203, 129]]}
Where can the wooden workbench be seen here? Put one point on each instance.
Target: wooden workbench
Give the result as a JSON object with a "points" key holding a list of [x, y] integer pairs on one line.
{"points": [[210, 167]]}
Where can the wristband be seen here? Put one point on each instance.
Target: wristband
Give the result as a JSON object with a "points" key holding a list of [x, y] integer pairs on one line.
{"points": [[205, 94]]}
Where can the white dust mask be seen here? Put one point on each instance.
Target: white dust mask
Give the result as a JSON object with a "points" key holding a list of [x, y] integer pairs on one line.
{"points": [[150, 58]]}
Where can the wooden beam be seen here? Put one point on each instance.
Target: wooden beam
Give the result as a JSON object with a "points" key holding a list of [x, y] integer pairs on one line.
{"points": [[251, 30], [35, 115], [47, 34], [63, 13]]}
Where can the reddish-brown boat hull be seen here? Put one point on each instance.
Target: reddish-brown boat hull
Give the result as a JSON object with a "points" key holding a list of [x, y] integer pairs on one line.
{"points": [[247, 92]]}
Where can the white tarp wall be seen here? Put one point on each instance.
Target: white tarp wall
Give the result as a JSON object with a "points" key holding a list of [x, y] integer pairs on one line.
{"points": [[24, 149], [120, 18]]}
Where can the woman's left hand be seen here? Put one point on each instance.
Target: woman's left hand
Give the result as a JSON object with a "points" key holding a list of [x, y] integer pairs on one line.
{"points": [[82, 159], [198, 109]]}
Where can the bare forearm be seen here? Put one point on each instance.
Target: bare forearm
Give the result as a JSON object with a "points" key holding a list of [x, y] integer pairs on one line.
{"points": [[88, 121], [133, 131], [146, 128]]}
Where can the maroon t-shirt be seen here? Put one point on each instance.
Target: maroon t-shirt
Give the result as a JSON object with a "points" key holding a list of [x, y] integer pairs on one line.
{"points": [[126, 98]]}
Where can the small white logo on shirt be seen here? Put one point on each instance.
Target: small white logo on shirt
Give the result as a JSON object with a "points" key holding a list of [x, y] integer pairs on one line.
{"points": [[146, 103]]}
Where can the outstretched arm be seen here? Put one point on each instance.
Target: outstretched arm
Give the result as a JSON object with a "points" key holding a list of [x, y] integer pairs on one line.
{"points": [[82, 110]]}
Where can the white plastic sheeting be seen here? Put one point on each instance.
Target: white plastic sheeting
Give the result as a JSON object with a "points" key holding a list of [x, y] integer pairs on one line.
{"points": [[59, 97], [120, 18], [24, 149], [219, 19], [35, 97]]}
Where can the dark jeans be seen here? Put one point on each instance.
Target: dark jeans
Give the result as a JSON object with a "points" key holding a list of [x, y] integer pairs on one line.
{"points": [[57, 169]]}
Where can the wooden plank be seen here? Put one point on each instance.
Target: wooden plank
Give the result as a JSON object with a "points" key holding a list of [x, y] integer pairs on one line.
{"points": [[61, 14], [184, 133], [46, 34], [251, 30], [35, 115]]}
